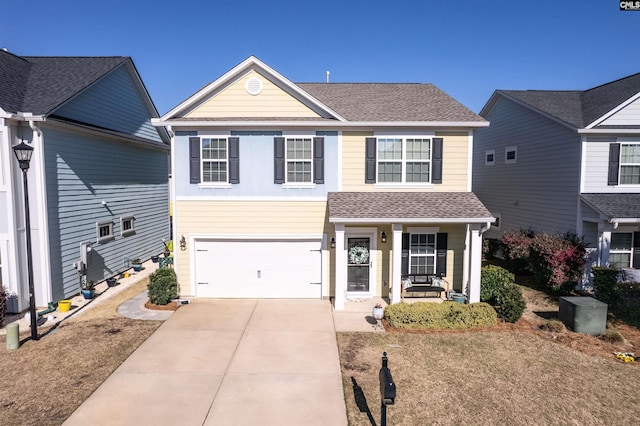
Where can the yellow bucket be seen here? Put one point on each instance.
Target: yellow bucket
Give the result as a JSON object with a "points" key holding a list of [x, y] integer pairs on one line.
{"points": [[64, 305]]}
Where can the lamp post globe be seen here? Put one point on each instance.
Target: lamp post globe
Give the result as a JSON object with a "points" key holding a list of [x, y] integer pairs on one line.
{"points": [[23, 154]]}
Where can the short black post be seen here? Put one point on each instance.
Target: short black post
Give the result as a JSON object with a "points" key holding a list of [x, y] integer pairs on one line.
{"points": [[387, 390]]}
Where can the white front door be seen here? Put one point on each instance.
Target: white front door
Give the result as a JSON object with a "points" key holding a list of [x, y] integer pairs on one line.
{"points": [[360, 246]]}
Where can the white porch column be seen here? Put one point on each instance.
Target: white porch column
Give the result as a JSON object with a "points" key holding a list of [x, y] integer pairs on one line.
{"points": [[466, 276], [605, 246], [341, 261], [396, 264], [475, 264]]}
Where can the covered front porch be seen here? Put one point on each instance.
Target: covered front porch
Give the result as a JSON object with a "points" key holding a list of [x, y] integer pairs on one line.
{"points": [[382, 238]]}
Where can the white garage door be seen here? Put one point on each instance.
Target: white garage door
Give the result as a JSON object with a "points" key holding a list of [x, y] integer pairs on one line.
{"points": [[258, 269]]}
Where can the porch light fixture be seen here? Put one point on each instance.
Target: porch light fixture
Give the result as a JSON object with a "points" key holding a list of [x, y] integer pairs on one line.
{"points": [[332, 242], [23, 153], [183, 244], [383, 236]]}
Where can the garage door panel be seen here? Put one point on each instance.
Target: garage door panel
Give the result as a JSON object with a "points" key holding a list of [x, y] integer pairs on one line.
{"points": [[258, 269]]}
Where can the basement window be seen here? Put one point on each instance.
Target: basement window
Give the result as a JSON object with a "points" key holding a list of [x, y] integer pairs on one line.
{"points": [[104, 231]]}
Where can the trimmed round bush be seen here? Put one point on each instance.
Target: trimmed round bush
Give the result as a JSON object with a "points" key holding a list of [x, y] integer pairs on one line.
{"points": [[163, 286], [510, 304], [447, 315], [493, 280], [554, 326], [612, 336]]}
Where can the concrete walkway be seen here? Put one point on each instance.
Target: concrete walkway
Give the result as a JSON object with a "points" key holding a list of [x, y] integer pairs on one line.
{"points": [[228, 362]]}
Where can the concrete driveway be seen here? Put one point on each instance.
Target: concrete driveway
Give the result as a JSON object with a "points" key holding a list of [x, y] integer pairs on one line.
{"points": [[228, 362]]}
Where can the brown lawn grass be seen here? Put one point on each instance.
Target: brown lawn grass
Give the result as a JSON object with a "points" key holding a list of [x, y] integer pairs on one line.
{"points": [[44, 381], [485, 378], [512, 374]]}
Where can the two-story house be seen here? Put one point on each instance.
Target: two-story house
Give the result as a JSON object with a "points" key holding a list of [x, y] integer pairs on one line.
{"points": [[97, 180], [322, 190], [565, 161]]}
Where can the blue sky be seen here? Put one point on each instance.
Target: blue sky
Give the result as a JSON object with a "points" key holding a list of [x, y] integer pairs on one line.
{"points": [[468, 48]]}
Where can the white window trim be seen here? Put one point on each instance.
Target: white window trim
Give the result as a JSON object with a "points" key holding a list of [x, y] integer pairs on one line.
{"points": [[486, 155], [433, 255], [287, 184], [105, 238], [204, 183], [626, 185], [403, 160], [618, 251], [509, 149], [127, 232]]}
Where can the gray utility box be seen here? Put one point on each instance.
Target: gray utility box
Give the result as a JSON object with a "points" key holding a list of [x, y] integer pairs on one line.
{"points": [[584, 314]]}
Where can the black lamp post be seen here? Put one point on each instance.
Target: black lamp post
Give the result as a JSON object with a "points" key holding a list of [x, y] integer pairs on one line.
{"points": [[23, 154]]}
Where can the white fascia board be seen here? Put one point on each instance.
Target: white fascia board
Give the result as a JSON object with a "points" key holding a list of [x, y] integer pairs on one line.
{"points": [[405, 220], [323, 124], [613, 111], [625, 220], [249, 198], [263, 237], [250, 61], [609, 131]]}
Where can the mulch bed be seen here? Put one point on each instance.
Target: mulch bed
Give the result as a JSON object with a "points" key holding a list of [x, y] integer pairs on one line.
{"points": [[171, 306]]}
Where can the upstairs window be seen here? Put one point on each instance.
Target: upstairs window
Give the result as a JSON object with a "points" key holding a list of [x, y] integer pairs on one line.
{"points": [[630, 164], [299, 160], [214, 160], [412, 160]]}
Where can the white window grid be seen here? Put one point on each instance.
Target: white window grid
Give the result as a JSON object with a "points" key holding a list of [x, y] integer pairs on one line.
{"points": [[629, 164], [104, 231], [621, 250], [404, 160], [127, 225], [511, 155], [422, 253], [215, 160], [490, 157], [299, 159]]}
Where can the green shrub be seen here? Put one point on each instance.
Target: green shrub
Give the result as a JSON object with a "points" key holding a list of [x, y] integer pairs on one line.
{"points": [[490, 247], [163, 286], [446, 315], [554, 326], [612, 336], [627, 304], [604, 282], [493, 280], [510, 304]]}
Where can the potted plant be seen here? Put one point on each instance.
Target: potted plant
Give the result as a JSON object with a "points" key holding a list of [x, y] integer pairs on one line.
{"points": [[88, 289], [111, 281], [168, 247], [136, 264], [378, 312]]}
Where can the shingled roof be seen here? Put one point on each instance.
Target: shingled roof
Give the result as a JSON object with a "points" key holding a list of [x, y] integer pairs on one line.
{"points": [[390, 102], [39, 84], [579, 108], [420, 206], [620, 206]]}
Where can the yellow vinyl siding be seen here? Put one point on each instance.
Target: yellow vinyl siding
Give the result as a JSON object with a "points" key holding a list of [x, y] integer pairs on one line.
{"points": [[250, 218], [455, 164], [234, 101]]}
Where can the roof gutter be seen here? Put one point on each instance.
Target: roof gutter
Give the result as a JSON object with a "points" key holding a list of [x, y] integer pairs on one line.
{"points": [[609, 131], [324, 124], [483, 220], [615, 221]]}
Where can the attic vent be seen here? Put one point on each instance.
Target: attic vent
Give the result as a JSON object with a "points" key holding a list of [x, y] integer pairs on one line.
{"points": [[254, 86]]}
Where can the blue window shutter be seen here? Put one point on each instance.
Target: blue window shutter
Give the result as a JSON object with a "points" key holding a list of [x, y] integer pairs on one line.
{"points": [[234, 160], [370, 161], [318, 160], [194, 160], [404, 263], [278, 160], [636, 250], [441, 254], [436, 177], [614, 163]]}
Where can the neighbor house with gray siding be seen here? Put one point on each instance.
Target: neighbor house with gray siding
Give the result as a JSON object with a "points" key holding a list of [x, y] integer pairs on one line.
{"points": [[98, 178], [565, 161]]}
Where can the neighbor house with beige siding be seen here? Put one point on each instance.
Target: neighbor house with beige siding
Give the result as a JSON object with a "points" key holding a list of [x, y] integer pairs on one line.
{"points": [[322, 190]]}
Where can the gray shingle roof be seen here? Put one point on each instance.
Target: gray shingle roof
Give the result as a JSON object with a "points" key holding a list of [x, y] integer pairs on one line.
{"points": [[615, 205], [580, 108], [390, 102], [407, 205], [39, 84]]}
